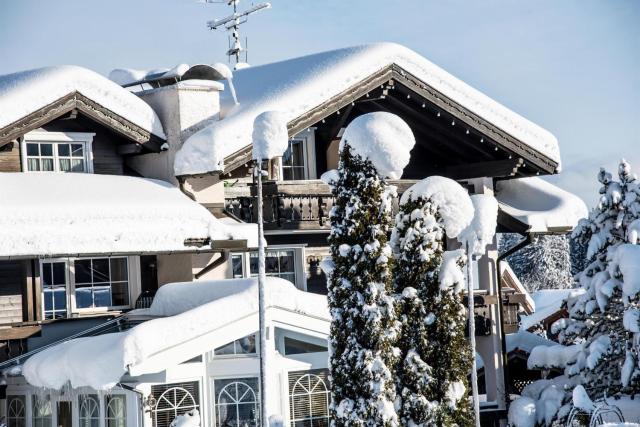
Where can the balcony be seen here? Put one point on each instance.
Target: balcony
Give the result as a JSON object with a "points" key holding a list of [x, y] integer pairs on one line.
{"points": [[288, 205]]}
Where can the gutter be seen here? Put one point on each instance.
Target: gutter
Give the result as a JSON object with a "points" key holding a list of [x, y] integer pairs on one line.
{"points": [[515, 248], [181, 181]]}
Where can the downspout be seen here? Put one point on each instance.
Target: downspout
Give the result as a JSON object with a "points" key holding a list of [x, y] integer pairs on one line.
{"points": [[181, 181], [224, 256], [505, 372], [141, 401]]}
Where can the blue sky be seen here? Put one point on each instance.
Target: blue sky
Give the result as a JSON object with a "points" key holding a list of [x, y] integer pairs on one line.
{"points": [[572, 66]]}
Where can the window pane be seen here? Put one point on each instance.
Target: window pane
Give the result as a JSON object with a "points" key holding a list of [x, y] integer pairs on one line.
{"points": [[287, 174], [48, 300], [225, 349], [77, 150], [77, 165], [119, 270], [59, 298], [100, 270], [236, 266], [32, 150], [33, 164], [63, 150], [47, 279], [246, 345], [84, 297], [65, 165], [253, 263], [271, 262], [297, 155], [59, 274], [83, 270], [298, 173], [119, 294], [287, 261], [46, 150], [102, 296], [46, 165]]}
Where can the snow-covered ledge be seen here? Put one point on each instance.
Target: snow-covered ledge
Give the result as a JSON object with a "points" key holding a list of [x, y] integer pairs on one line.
{"points": [[541, 205]]}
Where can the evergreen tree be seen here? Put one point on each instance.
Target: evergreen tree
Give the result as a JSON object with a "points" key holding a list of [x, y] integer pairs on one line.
{"points": [[364, 325], [543, 264], [434, 353]]}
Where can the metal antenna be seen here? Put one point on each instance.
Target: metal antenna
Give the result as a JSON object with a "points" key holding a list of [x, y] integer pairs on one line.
{"points": [[232, 24]]}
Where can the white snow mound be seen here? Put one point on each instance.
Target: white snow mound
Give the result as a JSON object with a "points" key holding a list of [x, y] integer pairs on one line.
{"points": [[270, 135], [482, 229]]}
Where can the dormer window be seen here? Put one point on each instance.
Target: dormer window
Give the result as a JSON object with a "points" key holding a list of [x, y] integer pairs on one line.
{"points": [[57, 152]]}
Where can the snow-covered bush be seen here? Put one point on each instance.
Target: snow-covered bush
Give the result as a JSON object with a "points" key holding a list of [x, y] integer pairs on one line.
{"points": [[435, 357], [190, 419], [601, 338], [364, 324]]}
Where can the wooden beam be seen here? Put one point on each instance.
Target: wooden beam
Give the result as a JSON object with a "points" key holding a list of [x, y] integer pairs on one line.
{"points": [[493, 169]]}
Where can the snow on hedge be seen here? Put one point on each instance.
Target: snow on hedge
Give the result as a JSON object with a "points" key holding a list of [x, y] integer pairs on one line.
{"points": [[384, 139], [454, 205], [540, 204], [47, 214], [190, 419], [26, 92], [297, 85], [191, 309]]}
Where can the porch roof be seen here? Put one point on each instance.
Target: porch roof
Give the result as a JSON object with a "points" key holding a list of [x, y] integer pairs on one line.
{"points": [[54, 214], [308, 88], [200, 316]]}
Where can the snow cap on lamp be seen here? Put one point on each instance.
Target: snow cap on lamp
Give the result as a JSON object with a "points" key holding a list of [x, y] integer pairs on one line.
{"points": [[383, 138], [270, 135]]}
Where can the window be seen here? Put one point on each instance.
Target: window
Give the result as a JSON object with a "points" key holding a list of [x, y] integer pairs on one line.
{"points": [[57, 152], [294, 165], [101, 282], [246, 345], [54, 289], [41, 412], [278, 263], [87, 283], [236, 402], [309, 398], [237, 266], [89, 412], [16, 411], [115, 411], [294, 346], [173, 400]]}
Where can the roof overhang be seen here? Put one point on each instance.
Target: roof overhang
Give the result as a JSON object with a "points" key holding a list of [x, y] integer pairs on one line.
{"points": [[81, 103]]}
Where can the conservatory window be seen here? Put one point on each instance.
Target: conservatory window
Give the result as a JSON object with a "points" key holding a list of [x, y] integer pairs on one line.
{"points": [[278, 263], [309, 398], [101, 282], [54, 289], [41, 411], [16, 411], [236, 402], [89, 412], [173, 400], [294, 346], [246, 345], [57, 152], [294, 165], [115, 411]]}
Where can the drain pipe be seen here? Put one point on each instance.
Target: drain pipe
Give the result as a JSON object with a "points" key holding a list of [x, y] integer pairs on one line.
{"points": [[181, 182], [505, 372], [224, 256]]}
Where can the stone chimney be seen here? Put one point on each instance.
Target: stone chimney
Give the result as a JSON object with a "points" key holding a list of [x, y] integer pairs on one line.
{"points": [[183, 108]]}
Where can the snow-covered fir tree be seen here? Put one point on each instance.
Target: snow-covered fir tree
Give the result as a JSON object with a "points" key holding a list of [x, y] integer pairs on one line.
{"points": [[601, 338], [544, 264], [435, 356]]}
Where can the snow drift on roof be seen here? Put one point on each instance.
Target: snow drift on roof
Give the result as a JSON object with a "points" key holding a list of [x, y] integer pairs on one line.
{"points": [[47, 213], [194, 309], [26, 92], [547, 302], [297, 85], [541, 205]]}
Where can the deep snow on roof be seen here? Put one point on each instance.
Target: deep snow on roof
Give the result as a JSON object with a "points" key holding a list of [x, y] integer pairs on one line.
{"points": [[48, 213], [297, 85], [540, 204], [193, 309], [26, 92], [547, 302]]}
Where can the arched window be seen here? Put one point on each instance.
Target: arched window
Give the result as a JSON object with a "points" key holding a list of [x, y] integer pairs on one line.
{"points": [[89, 410], [115, 411], [309, 399], [16, 411], [237, 402], [41, 412], [172, 402]]}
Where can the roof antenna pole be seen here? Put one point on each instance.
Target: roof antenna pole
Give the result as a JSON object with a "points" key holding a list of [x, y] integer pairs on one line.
{"points": [[232, 24]]}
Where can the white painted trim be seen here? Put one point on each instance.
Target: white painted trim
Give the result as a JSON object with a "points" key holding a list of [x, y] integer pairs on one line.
{"points": [[85, 138]]}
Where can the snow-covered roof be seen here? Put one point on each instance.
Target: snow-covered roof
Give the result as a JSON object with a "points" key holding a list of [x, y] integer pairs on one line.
{"points": [[540, 204], [505, 268], [26, 92], [297, 85], [525, 341], [47, 214], [547, 302], [201, 316]]}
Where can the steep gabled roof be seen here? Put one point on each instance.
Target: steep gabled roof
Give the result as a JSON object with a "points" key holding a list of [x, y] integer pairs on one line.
{"points": [[305, 88], [32, 98]]}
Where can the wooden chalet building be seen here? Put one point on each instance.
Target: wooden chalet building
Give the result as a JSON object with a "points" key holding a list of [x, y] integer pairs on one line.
{"points": [[199, 139]]}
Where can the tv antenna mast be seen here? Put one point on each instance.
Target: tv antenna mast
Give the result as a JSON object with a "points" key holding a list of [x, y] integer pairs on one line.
{"points": [[232, 24]]}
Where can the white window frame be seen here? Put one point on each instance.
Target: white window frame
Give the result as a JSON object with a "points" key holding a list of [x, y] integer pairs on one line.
{"points": [[308, 139], [234, 379], [25, 402], [298, 263], [84, 138], [238, 355], [133, 270]]}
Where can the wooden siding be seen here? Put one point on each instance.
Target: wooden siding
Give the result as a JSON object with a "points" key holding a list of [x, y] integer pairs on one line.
{"points": [[10, 157], [12, 283]]}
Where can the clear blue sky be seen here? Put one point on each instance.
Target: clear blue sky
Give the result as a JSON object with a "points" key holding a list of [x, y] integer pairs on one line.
{"points": [[571, 66]]}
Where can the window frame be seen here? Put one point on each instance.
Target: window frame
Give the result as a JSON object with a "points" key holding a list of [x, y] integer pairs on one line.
{"points": [[107, 402], [93, 417], [292, 395], [25, 416], [84, 138], [238, 355], [234, 380], [300, 277], [133, 277], [307, 138], [37, 421]]}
